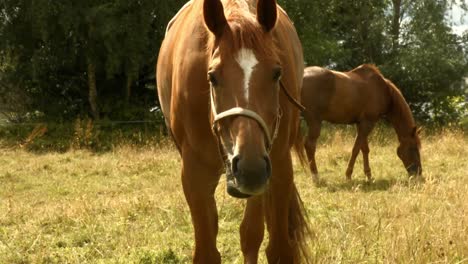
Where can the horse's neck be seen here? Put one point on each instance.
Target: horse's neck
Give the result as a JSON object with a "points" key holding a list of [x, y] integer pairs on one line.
{"points": [[402, 129], [400, 116]]}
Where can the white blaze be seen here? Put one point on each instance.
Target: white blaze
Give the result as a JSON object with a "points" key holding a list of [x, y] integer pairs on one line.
{"points": [[247, 61]]}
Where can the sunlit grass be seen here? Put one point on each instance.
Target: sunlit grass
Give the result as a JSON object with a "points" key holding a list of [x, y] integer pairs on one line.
{"points": [[127, 205]]}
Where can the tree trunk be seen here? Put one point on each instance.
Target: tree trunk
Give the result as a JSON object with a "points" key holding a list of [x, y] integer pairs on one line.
{"points": [[396, 24], [128, 89], [92, 97]]}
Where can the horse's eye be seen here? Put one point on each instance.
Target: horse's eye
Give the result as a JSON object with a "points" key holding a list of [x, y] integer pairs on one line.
{"points": [[212, 79], [277, 74]]}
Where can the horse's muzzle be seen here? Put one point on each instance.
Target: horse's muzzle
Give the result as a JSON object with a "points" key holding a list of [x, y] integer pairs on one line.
{"points": [[247, 177], [414, 170]]}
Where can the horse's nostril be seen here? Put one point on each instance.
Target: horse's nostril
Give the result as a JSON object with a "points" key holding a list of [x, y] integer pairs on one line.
{"points": [[249, 174], [235, 164]]}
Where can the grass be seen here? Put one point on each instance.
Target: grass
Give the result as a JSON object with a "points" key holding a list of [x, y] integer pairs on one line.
{"points": [[126, 205]]}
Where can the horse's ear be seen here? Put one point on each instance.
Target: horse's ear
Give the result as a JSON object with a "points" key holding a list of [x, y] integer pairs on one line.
{"points": [[267, 14], [213, 14]]}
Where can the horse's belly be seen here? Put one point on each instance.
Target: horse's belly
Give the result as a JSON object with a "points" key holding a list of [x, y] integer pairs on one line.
{"points": [[340, 118], [344, 111]]}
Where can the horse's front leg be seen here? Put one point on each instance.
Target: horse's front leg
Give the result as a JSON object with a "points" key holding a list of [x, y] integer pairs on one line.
{"points": [[252, 229], [280, 250], [352, 159], [199, 181], [363, 130], [365, 157]]}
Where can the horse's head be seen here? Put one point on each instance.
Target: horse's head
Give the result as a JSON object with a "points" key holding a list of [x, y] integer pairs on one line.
{"points": [[244, 73], [408, 152]]}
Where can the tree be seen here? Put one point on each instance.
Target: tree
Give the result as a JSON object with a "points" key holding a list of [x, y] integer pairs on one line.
{"points": [[410, 41], [86, 55], [94, 57], [428, 61]]}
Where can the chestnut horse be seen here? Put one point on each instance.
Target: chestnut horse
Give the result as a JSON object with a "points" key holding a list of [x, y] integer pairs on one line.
{"points": [[361, 96], [224, 72]]}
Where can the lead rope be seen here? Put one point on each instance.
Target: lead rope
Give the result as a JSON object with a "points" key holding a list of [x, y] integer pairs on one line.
{"points": [[291, 99]]}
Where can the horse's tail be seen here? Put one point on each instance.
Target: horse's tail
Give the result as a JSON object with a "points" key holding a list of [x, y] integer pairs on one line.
{"points": [[299, 148], [299, 231]]}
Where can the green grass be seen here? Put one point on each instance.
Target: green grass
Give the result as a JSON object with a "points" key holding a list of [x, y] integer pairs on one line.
{"points": [[126, 205]]}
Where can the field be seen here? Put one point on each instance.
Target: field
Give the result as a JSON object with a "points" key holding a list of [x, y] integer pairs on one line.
{"points": [[126, 205]]}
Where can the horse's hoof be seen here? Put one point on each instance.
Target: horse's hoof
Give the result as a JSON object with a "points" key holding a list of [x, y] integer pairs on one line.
{"points": [[349, 173], [369, 176]]}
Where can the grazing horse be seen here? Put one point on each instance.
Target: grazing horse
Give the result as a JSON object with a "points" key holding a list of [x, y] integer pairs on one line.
{"points": [[361, 96], [225, 72]]}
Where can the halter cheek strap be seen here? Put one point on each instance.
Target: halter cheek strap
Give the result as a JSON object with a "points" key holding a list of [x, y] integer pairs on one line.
{"points": [[239, 111]]}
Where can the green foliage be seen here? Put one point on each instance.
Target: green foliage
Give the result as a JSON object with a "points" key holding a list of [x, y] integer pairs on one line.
{"points": [[46, 47], [428, 62], [51, 43], [430, 65]]}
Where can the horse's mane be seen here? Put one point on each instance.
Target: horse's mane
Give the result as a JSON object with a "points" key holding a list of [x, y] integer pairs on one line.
{"points": [[368, 68], [246, 31], [400, 109], [399, 105]]}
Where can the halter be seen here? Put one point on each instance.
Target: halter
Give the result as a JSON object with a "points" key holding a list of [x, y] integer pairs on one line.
{"points": [[239, 111]]}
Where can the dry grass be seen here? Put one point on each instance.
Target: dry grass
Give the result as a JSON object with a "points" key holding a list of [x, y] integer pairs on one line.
{"points": [[126, 206]]}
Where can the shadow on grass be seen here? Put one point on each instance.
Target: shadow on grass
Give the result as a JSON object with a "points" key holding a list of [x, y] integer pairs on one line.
{"points": [[381, 184], [359, 185]]}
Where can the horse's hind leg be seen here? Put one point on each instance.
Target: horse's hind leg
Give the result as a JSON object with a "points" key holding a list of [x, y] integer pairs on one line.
{"points": [[199, 181], [252, 229], [311, 146]]}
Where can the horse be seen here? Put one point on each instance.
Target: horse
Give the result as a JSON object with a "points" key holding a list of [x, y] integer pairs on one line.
{"points": [[361, 96], [227, 75]]}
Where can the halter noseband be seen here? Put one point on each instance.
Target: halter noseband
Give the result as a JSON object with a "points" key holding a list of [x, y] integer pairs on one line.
{"points": [[239, 111]]}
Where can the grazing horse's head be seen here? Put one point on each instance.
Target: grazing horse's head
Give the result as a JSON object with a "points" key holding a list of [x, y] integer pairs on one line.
{"points": [[408, 152], [244, 73]]}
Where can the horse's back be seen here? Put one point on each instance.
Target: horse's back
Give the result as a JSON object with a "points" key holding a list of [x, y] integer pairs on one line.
{"points": [[330, 95], [343, 97], [181, 78], [375, 89], [164, 68], [317, 90]]}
